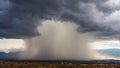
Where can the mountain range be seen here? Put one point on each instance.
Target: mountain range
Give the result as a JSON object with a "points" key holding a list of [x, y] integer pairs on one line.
{"points": [[13, 55], [110, 52]]}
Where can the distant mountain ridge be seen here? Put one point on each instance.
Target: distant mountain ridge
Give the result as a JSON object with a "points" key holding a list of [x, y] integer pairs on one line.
{"points": [[110, 52], [13, 55], [9, 56]]}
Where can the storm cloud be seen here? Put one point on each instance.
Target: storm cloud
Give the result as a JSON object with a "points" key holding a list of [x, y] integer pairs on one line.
{"points": [[50, 27], [19, 18]]}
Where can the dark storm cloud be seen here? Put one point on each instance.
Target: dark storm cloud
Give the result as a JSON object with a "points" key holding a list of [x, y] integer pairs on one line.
{"points": [[21, 17]]}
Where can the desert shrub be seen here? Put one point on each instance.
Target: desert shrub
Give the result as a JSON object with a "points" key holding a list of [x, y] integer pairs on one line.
{"points": [[21, 67], [11, 65]]}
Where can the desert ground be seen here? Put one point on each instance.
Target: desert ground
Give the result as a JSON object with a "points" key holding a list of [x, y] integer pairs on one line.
{"points": [[25, 64]]}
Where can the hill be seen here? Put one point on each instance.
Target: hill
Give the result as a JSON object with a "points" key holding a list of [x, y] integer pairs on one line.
{"points": [[110, 52]]}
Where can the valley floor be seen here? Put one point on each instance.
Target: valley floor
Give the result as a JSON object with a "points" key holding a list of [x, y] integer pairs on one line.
{"points": [[22, 64]]}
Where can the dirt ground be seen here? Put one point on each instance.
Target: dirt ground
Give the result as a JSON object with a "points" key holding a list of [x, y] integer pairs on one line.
{"points": [[15, 64]]}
